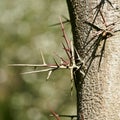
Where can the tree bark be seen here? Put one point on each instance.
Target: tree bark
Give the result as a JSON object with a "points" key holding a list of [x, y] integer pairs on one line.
{"points": [[98, 94]]}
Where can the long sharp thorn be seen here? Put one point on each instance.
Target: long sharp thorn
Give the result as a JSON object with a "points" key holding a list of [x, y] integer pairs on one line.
{"points": [[78, 55], [69, 116], [69, 57], [95, 44], [110, 3], [27, 65], [96, 14], [92, 25], [55, 115], [64, 47], [83, 73], [56, 24], [49, 74], [92, 46], [38, 71], [64, 34], [72, 54], [92, 57], [102, 52], [56, 63], [62, 59], [43, 59], [87, 43], [104, 21], [65, 21]]}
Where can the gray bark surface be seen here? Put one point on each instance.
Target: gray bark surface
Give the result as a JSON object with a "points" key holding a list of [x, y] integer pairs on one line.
{"points": [[98, 95]]}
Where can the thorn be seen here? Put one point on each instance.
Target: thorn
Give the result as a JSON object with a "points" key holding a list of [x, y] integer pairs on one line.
{"points": [[64, 22], [49, 74], [63, 61], [64, 34], [78, 56], [65, 48], [82, 73], [56, 62], [102, 2], [72, 59], [55, 115], [28, 65], [43, 59], [38, 71], [68, 54], [103, 18], [69, 116], [93, 26], [56, 24], [110, 3], [102, 52], [87, 43]]}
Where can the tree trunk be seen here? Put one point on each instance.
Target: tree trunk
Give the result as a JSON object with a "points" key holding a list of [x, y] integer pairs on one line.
{"points": [[98, 94]]}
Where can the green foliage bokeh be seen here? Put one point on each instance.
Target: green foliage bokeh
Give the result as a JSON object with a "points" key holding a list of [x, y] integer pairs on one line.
{"points": [[24, 31]]}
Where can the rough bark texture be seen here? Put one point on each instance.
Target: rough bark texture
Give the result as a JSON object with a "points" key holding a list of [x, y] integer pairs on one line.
{"points": [[98, 96]]}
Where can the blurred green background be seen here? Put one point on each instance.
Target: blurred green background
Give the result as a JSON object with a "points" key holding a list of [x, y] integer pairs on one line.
{"points": [[24, 31]]}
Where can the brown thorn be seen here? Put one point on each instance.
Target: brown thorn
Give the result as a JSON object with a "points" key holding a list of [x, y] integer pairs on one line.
{"points": [[64, 34], [68, 53], [55, 115], [72, 62], [62, 59]]}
